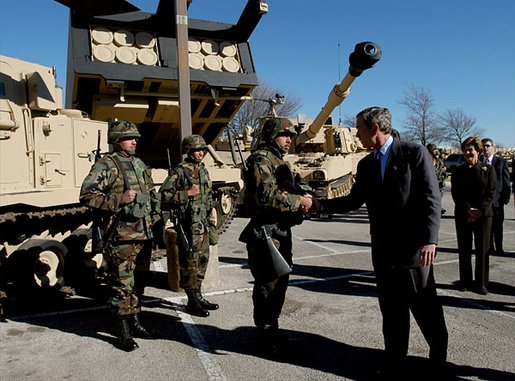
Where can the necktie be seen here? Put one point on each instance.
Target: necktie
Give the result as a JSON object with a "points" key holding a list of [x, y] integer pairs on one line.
{"points": [[378, 156]]}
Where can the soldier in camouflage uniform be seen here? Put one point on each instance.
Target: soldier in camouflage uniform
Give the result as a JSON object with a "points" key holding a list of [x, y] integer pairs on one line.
{"points": [[440, 170], [272, 199], [119, 186], [187, 191]]}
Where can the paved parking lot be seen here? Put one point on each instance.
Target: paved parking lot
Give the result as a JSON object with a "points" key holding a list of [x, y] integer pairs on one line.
{"points": [[331, 308]]}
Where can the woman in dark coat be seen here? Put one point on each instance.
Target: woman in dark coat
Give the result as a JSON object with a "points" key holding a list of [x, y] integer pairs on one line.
{"points": [[472, 189]]}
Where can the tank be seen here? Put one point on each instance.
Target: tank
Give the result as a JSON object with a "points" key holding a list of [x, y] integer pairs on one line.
{"points": [[323, 155], [122, 63]]}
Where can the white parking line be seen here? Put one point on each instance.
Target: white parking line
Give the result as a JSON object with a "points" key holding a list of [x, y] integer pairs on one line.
{"points": [[213, 370]]}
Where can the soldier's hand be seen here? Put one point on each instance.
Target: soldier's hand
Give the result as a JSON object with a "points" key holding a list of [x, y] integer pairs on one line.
{"points": [[316, 206], [306, 202], [194, 190], [128, 196]]}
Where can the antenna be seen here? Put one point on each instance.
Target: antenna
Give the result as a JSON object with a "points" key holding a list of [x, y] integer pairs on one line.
{"points": [[339, 80]]}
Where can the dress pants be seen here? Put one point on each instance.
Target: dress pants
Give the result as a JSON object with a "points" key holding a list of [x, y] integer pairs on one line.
{"points": [[497, 229], [479, 232], [401, 290]]}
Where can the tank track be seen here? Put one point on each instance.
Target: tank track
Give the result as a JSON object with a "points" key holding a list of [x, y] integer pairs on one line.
{"points": [[341, 187], [15, 227]]}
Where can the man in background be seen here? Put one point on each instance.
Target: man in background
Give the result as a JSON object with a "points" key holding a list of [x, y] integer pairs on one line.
{"points": [[501, 196]]}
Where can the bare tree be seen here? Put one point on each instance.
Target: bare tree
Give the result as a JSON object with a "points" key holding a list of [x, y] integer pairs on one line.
{"points": [[421, 124], [457, 126], [348, 120], [259, 107]]}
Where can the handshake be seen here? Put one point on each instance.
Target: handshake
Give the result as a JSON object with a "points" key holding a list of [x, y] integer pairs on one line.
{"points": [[309, 204]]}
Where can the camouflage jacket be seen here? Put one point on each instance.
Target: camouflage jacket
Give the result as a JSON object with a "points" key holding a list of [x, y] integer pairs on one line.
{"points": [[440, 171], [270, 189], [174, 191], [103, 189]]}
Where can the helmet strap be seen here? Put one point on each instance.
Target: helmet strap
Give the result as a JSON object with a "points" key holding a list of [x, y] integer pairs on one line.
{"points": [[281, 150], [119, 149]]}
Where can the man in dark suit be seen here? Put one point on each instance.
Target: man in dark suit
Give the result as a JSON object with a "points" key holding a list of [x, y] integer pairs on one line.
{"points": [[398, 184], [502, 193]]}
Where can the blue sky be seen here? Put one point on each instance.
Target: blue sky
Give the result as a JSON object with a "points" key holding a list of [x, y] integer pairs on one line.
{"points": [[461, 51]]}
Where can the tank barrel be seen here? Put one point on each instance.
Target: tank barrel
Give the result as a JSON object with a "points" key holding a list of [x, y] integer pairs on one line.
{"points": [[364, 56]]}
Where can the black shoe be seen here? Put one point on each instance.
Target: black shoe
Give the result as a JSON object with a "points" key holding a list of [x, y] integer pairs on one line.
{"points": [[125, 341], [196, 310], [268, 345], [440, 370], [482, 290], [194, 307], [138, 330], [464, 286], [204, 303]]}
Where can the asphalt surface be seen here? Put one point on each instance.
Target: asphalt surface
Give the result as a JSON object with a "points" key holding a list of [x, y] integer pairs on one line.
{"points": [[331, 309]]}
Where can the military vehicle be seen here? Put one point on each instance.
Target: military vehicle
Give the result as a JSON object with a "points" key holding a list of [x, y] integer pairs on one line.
{"points": [[324, 155], [45, 153], [123, 63], [127, 66]]}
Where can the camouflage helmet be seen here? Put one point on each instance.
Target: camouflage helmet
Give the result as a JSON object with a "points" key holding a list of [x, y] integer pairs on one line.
{"points": [[121, 129], [275, 126], [431, 147], [193, 142]]}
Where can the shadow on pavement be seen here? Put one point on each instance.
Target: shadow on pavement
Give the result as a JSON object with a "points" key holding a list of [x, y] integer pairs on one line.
{"points": [[310, 350]]}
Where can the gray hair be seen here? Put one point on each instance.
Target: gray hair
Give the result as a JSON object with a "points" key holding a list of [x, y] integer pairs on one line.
{"points": [[379, 115]]}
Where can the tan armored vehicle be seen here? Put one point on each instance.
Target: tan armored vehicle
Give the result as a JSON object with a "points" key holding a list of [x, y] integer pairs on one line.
{"points": [[122, 64], [45, 153]]}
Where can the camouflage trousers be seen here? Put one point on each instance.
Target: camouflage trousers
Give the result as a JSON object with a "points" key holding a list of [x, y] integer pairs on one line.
{"points": [[269, 292], [193, 263], [121, 264]]}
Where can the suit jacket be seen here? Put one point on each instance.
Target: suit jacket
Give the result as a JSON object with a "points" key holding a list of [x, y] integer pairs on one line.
{"points": [[502, 187], [473, 188], [404, 209]]}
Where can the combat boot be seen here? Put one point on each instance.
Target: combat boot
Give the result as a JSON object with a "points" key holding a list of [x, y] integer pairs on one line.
{"points": [[203, 302], [125, 341], [267, 342], [138, 330], [194, 307]]}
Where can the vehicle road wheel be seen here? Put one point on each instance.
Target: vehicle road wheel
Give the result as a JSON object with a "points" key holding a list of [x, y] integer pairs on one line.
{"points": [[226, 203], [39, 264], [217, 213]]}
